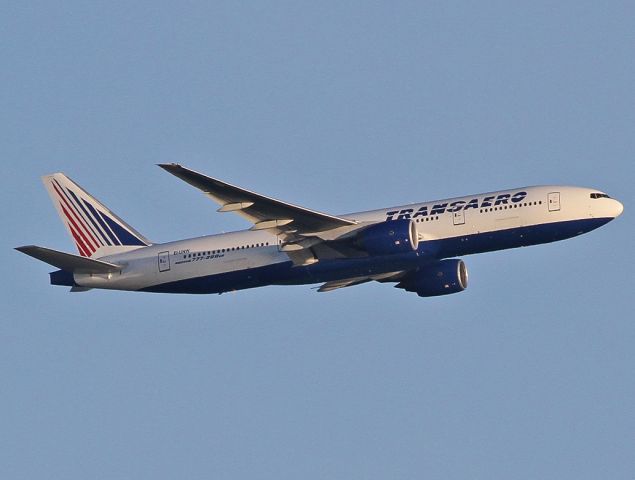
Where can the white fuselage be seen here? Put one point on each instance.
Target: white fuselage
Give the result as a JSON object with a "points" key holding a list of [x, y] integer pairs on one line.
{"points": [[459, 221]]}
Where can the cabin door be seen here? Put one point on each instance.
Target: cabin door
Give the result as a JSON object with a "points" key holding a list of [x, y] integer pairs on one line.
{"points": [[553, 200], [458, 218], [164, 261]]}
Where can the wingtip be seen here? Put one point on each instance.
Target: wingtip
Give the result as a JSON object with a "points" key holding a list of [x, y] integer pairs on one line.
{"points": [[168, 166]]}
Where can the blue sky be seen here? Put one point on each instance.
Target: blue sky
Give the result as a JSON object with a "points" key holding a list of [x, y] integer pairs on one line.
{"points": [[337, 107]]}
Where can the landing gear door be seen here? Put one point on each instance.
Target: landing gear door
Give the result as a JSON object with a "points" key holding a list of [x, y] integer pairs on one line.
{"points": [[553, 200]]}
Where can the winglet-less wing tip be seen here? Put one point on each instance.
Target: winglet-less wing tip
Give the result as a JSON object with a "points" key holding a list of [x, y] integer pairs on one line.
{"points": [[169, 166]]}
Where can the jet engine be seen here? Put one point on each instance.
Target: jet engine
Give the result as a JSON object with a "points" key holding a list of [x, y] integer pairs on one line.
{"points": [[386, 238], [440, 278]]}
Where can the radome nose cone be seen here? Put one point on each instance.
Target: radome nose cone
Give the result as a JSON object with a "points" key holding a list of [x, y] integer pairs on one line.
{"points": [[619, 208]]}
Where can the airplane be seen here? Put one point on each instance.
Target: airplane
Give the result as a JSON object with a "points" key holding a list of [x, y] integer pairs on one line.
{"points": [[414, 246]]}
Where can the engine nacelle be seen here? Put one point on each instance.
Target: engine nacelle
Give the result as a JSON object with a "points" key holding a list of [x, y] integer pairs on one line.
{"points": [[441, 278], [386, 238]]}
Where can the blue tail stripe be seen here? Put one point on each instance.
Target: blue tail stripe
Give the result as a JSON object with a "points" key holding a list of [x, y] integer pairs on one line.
{"points": [[72, 204], [101, 222], [124, 236], [101, 234]]}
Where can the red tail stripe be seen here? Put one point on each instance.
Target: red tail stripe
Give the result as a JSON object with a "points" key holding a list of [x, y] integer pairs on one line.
{"points": [[79, 219], [80, 245], [94, 245], [77, 211], [87, 245]]}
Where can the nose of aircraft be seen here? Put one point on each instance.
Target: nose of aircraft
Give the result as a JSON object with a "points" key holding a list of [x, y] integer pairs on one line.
{"points": [[618, 208]]}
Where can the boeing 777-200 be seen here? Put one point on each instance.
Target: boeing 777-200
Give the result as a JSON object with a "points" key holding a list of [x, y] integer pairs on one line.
{"points": [[413, 246]]}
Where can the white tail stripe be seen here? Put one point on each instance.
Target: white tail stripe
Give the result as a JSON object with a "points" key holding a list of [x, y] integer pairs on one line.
{"points": [[76, 200], [110, 237], [82, 213], [81, 235], [85, 234], [91, 225], [109, 231]]}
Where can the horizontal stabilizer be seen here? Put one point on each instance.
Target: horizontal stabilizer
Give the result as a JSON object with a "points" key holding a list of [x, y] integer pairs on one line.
{"points": [[349, 282], [68, 261], [80, 289]]}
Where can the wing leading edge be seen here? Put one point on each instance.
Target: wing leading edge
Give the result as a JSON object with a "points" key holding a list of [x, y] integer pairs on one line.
{"points": [[264, 212]]}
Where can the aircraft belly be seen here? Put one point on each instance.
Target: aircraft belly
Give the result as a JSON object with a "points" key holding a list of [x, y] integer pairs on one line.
{"points": [[274, 268]]}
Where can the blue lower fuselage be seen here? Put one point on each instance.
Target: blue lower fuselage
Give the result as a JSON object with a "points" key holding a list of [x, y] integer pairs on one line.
{"points": [[285, 273]]}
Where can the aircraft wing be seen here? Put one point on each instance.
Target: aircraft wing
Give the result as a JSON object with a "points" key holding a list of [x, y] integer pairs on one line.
{"points": [[264, 212], [349, 282]]}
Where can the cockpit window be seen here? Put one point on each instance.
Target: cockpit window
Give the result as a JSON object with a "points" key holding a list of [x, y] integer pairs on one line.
{"points": [[599, 195]]}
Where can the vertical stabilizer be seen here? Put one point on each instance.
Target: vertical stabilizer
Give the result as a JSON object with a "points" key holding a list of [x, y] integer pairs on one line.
{"points": [[91, 225]]}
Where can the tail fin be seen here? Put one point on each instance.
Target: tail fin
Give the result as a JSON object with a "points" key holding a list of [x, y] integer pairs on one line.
{"points": [[90, 224]]}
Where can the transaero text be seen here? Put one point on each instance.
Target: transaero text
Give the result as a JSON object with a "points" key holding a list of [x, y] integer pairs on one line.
{"points": [[425, 210]]}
